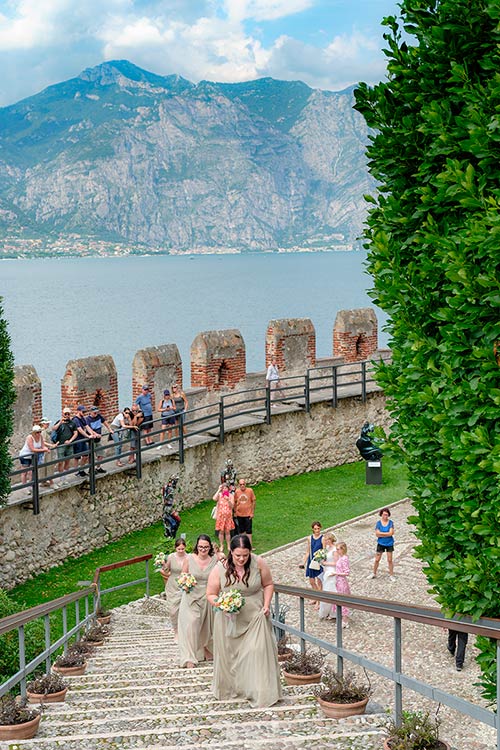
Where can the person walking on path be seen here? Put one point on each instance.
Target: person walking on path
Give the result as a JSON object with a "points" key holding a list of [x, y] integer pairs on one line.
{"points": [[273, 380], [457, 642], [384, 531], [171, 570], [342, 570], [224, 523], [329, 611], [245, 653], [314, 569], [195, 623], [244, 508]]}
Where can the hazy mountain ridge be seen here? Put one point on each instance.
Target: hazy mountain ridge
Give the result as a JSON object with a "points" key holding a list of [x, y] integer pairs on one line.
{"points": [[121, 153]]}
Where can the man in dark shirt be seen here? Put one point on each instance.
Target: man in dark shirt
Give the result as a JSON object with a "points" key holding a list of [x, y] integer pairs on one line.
{"points": [[95, 421], [65, 434], [81, 445]]}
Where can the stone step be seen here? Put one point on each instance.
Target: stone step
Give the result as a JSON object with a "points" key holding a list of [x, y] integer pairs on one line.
{"points": [[260, 729]]}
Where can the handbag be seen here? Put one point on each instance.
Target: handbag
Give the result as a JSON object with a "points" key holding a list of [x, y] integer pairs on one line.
{"points": [[314, 565], [213, 514]]}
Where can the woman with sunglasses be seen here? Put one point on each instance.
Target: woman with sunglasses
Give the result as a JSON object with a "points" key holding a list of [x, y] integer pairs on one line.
{"points": [[195, 623]]}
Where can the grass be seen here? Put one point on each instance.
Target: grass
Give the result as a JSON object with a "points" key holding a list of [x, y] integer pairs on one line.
{"points": [[284, 512]]}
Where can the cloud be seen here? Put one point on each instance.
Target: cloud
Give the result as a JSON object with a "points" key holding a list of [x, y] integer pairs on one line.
{"points": [[264, 10]]}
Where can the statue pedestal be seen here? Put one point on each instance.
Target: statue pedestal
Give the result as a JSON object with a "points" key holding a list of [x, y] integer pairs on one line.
{"points": [[374, 472]]}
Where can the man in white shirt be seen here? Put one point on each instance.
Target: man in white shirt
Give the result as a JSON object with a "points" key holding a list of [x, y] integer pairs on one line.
{"points": [[273, 379]]}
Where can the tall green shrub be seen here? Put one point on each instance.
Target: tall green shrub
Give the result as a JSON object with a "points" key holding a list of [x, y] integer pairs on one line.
{"points": [[7, 396], [434, 252]]}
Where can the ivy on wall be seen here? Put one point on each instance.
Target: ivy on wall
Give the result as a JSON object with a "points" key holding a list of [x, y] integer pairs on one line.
{"points": [[433, 234], [7, 397]]}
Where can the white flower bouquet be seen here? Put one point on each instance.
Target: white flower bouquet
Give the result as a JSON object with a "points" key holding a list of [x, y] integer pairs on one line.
{"points": [[320, 555], [230, 602], [186, 582], [159, 560]]}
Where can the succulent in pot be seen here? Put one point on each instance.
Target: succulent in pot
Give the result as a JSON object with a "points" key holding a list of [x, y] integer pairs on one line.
{"points": [[17, 722], [96, 635], [284, 650], [344, 695], [72, 663], [303, 668], [47, 688], [418, 731], [103, 616]]}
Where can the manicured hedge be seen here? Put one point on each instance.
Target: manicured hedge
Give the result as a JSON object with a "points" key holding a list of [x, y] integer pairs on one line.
{"points": [[434, 252]]}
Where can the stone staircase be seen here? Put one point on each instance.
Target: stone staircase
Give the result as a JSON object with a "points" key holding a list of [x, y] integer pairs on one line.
{"points": [[133, 695]]}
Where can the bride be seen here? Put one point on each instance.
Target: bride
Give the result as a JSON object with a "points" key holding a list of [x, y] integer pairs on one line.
{"points": [[328, 611]]}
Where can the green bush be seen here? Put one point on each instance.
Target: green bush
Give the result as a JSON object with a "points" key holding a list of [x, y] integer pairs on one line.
{"points": [[434, 236], [9, 642], [7, 398]]}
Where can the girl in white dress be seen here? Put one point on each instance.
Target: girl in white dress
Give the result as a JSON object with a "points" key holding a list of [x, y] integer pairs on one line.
{"points": [[328, 611]]}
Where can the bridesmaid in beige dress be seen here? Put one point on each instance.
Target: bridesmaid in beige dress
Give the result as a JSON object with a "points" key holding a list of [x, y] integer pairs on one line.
{"points": [[245, 656], [195, 622], [171, 570]]}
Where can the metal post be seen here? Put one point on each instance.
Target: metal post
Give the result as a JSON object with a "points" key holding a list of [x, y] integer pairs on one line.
{"points": [[181, 438], [92, 467], [46, 625], [307, 393], [221, 421], [138, 455], [340, 658], [65, 625], [36, 486], [268, 405], [22, 659], [363, 381], [276, 612], [302, 624], [77, 615], [147, 579], [398, 690], [334, 387]]}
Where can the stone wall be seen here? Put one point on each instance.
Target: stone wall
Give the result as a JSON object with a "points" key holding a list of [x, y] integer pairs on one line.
{"points": [[157, 366], [91, 381], [293, 342], [72, 522], [28, 403], [355, 334], [218, 360]]}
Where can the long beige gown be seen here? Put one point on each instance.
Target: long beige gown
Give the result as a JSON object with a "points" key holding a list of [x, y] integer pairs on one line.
{"points": [[172, 590], [246, 657], [195, 624]]}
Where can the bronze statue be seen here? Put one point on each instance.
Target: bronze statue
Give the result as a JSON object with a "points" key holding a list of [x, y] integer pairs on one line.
{"points": [[365, 444]]}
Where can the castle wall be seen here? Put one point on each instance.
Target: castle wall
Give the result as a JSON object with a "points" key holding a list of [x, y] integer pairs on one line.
{"points": [[72, 522]]}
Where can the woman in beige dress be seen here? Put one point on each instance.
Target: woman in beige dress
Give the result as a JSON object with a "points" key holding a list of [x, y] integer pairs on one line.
{"points": [[171, 570], [245, 655], [195, 614]]}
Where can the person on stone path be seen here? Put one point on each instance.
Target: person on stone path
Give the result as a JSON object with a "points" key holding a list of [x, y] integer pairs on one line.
{"points": [[244, 508], [384, 531], [329, 611], [313, 569], [171, 570], [342, 571], [457, 642], [224, 522]]}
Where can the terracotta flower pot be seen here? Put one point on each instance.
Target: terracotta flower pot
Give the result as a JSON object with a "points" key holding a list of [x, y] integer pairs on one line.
{"points": [[71, 670], [47, 698], [285, 655], [24, 731], [104, 620], [342, 710], [442, 745], [301, 679], [95, 643]]}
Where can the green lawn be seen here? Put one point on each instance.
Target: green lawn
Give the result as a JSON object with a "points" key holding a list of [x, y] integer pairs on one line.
{"points": [[284, 512]]}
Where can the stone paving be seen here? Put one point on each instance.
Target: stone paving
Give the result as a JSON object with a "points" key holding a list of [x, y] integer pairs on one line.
{"points": [[424, 647]]}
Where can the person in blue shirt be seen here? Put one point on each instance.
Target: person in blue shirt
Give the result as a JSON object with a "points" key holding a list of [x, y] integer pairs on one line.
{"points": [[145, 402], [384, 531]]}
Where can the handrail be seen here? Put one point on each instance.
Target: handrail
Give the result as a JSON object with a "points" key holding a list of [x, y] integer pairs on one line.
{"points": [[294, 388], [40, 610], [116, 565], [488, 627]]}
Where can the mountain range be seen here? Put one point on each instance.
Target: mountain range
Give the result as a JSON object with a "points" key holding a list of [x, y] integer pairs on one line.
{"points": [[121, 154]]}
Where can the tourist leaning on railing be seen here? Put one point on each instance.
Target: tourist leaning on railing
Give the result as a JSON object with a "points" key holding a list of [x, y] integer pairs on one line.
{"points": [[120, 425], [33, 445]]}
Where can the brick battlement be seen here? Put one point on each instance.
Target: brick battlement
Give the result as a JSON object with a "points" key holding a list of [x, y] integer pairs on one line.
{"points": [[218, 364]]}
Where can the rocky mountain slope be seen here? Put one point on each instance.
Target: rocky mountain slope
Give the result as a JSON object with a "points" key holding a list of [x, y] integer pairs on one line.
{"points": [[119, 153]]}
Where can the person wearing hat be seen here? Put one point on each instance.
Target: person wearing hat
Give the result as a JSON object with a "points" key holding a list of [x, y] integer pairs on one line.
{"points": [[144, 401], [167, 411], [65, 433], [33, 445], [45, 471], [95, 421]]}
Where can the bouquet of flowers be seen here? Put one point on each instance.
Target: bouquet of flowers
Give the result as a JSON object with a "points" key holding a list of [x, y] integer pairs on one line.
{"points": [[159, 560], [230, 602], [320, 555], [186, 582]]}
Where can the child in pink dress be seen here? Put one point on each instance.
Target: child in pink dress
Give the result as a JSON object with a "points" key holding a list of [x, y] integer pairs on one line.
{"points": [[342, 570]]}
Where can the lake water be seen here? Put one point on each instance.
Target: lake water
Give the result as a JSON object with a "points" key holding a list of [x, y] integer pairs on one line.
{"points": [[59, 309]]}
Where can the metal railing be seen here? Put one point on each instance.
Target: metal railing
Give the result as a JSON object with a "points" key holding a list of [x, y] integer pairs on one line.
{"points": [[211, 420], [398, 612], [91, 596]]}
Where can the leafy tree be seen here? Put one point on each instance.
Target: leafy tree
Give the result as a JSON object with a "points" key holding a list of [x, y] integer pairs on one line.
{"points": [[7, 397], [434, 252]]}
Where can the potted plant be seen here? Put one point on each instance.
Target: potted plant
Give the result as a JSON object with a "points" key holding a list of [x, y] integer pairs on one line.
{"points": [[418, 731], [74, 662], [284, 650], [344, 695], [48, 688], [16, 721], [303, 668], [96, 635], [103, 616]]}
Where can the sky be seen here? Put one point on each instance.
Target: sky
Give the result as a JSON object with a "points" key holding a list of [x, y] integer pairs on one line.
{"points": [[328, 44]]}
